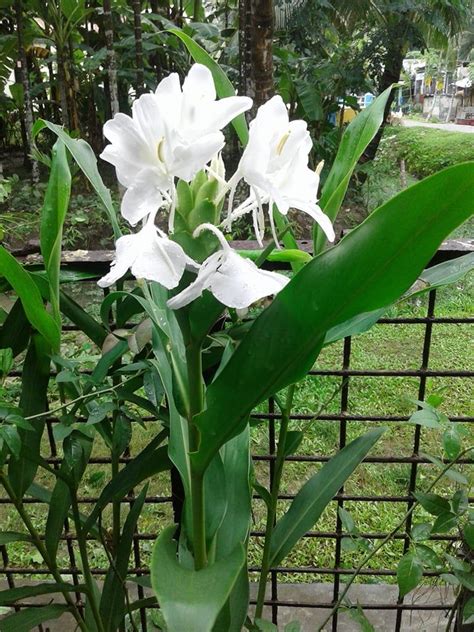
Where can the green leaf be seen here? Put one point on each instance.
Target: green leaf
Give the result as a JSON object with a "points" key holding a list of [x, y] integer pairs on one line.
{"points": [[466, 578], [11, 595], [12, 439], [354, 141], [364, 272], [451, 473], [16, 329], [445, 522], [468, 611], [224, 87], [293, 442], [150, 461], [86, 323], [310, 502], [263, 493], [358, 615], [429, 557], [85, 158], [421, 531], [293, 626], [112, 602], [451, 442], [434, 504], [468, 533], [425, 417], [30, 617], [445, 273], [238, 493], [347, 520], [354, 326], [191, 600], [57, 513], [33, 400], [30, 297], [409, 573], [12, 536], [53, 214]]}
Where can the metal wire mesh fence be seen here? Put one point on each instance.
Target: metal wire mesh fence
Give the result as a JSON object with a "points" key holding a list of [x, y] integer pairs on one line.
{"points": [[344, 372]]}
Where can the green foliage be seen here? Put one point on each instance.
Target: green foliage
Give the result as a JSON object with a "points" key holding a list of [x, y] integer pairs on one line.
{"points": [[427, 151], [191, 599]]}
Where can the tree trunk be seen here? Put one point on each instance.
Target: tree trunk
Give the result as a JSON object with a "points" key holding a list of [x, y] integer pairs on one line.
{"points": [[27, 103], [111, 61], [62, 86], [262, 49], [137, 27]]}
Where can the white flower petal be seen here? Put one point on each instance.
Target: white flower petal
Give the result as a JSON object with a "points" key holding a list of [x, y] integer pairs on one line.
{"points": [[201, 283], [160, 260], [225, 110], [125, 254], [169, 99], [143, 197], [199, 84], [321, 218], [149, 256], [190, 158], [129, 152], [239, 283], [146, 116]]}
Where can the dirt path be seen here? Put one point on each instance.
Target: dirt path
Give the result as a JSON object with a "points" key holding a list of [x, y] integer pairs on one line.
{"points": [[448, 127]]}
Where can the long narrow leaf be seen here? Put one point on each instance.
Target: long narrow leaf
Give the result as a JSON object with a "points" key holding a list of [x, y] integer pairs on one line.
{"points": [[16, 329], [355, 139], [310, 502], [33, 400], [150, 461], [53, 214], [85, 158], [369, 269], [30, 617], [11, 595], [30, 297], [112, 603]]}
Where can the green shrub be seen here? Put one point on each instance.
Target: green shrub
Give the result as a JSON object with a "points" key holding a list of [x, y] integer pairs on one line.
{"points": [[427, 151]]}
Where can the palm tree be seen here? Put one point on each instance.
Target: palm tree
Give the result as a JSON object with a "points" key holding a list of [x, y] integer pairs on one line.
{"points": [[111, 61], [262, 49], [137, 29]]}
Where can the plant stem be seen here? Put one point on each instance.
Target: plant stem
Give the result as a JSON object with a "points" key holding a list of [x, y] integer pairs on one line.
{"points": [[41, 548], [88, 579], [195, 392], [388, 537], [271, 510]]}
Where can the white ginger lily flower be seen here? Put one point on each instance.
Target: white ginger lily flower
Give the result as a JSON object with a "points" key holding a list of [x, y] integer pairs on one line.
{"points": [[234, 281], [275, 166], [172, 133], [149, 254]]}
